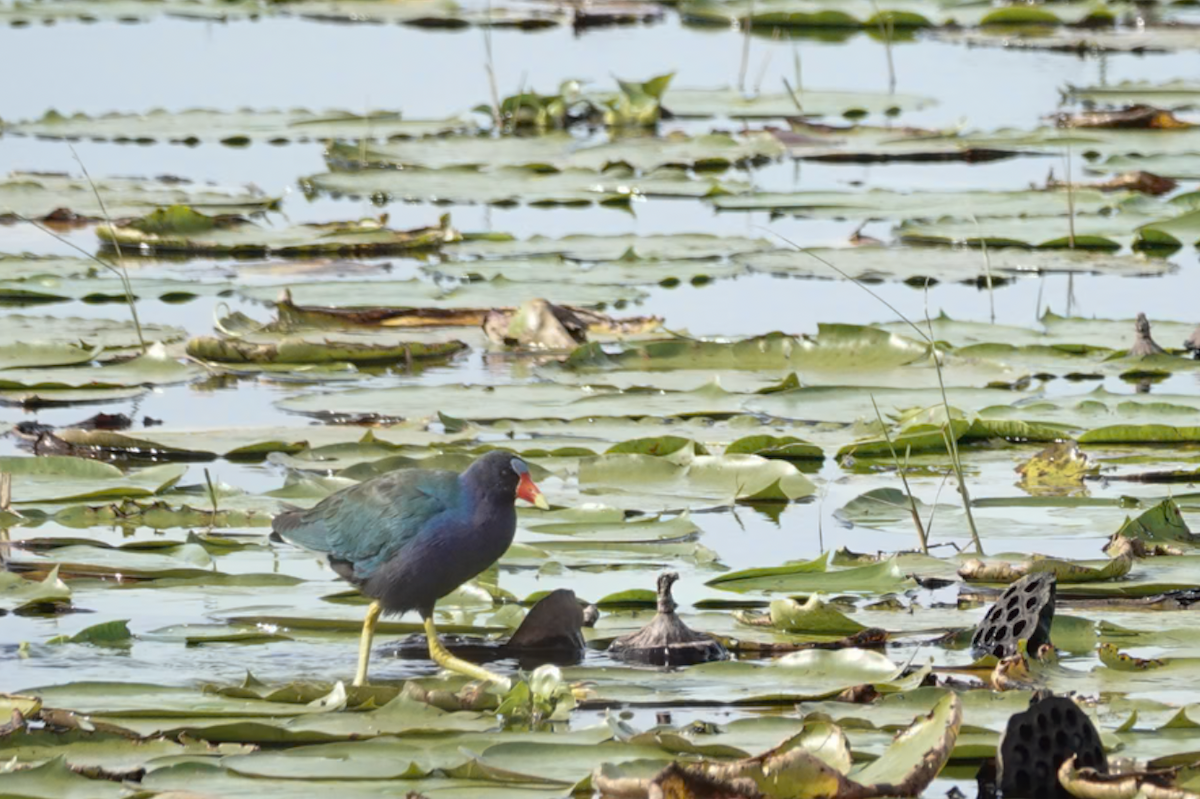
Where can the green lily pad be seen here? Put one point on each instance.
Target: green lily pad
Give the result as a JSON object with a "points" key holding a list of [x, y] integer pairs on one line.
{"points": [[537, 401], [17, 593], [19, 356], [1168, 94], [49, 288], [616, 187], [55, 780], [562, 272], [560, 151], [180, 229], [611, 248], [105, 333], [36, 194], [153, 368], [902, 14], [813, 616], [814, 576], [717, 479], [496, 292], [703, 103], [883, 204], [1104, 234], [836, 348], [1150, 39], [60, 479], [109, 633], [945, 265], [208, 348], [231, 128]]}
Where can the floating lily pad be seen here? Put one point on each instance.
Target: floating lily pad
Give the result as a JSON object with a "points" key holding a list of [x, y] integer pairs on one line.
{"points": [[180, 229], [883, 204], [539, 401], [1148, 39], [60, 479], [153, 368], [1105, 234], [235, 128], [36, 194], [835, 348], [1168, 94], [424, 294], [703, 103], [623, 272], [209, 348], [615, 187], [17, 593], [612, 248], [437, 14], [945, 265], [723, 479], [43, 289], [18, 356], [815, 576], [901, 14], [106, 333], [562, 151]]}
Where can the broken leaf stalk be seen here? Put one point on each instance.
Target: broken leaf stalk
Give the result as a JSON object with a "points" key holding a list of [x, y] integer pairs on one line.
{"points": [[900, 470]]}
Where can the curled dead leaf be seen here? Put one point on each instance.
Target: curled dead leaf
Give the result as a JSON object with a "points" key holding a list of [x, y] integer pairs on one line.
{"points": [[1135, 117], [1141, 182], [1087, 783], [790, 771], [1120, 546]]}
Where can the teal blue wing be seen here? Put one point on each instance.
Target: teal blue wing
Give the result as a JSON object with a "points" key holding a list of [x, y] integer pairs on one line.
{"points": [[368, 524]]}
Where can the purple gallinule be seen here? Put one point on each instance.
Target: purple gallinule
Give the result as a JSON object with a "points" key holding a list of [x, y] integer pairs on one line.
{"points": [[409, 537]]}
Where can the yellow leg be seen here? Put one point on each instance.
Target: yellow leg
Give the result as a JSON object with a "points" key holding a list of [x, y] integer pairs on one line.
{"points": [[441, 656], [364, 646]]}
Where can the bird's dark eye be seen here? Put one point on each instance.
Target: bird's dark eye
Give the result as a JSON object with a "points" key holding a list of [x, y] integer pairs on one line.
{"points": [[519, 466]]}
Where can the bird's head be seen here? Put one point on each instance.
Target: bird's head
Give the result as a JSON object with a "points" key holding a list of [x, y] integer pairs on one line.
{"points": [[506, 477], [526, 488]]}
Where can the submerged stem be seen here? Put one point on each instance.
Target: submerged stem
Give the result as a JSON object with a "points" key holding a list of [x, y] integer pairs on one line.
{"points": [[912, 503]]}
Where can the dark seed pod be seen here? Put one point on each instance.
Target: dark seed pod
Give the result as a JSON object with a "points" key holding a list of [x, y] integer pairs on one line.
{"points": [[1038, 740], [666, 640], [1023, 612]]}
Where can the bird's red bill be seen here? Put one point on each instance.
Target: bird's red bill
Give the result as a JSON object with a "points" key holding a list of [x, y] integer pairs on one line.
{"points": [[528, 491]]}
